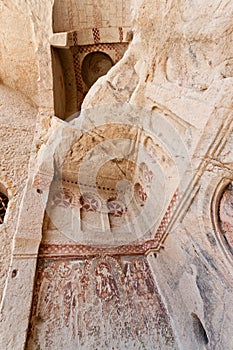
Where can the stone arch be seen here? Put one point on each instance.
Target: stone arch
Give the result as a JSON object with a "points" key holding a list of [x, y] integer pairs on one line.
{"points": [[219, 198], [225, 216]]}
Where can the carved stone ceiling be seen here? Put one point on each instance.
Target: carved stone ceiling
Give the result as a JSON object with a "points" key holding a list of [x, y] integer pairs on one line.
{"points": [[117, 186]]}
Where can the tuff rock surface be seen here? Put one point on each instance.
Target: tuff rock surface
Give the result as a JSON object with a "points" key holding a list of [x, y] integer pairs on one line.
{"points": [[177, 74]]}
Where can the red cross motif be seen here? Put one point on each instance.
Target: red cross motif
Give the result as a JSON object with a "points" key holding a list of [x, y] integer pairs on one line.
{"points": [[115, 208], [63, 199], [90, 203]]}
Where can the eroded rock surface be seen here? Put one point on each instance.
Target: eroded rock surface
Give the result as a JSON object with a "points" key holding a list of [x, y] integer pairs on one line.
{"points": [[172, 92]]}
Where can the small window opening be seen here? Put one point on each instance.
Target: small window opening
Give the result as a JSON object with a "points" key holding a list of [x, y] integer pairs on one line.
{"points": [[3, 206]]}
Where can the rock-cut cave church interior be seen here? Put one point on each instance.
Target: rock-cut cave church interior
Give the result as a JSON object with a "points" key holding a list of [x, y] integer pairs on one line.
{"points": [[116, 175]]}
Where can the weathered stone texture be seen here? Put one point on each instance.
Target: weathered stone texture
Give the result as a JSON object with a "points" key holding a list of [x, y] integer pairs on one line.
{"points": [[25, 62], [181, 57], [18, 121], [106, 303], [170, 100]]}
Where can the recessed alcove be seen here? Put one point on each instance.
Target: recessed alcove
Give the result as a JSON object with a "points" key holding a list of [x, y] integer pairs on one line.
{"points": [[94, 65], [88, 39], [199, 330], [64, 83], [76, 68], [110, 189]]}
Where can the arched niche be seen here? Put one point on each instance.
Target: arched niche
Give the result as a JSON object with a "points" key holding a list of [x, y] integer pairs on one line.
{"points": [[76, 69], [85, 47], [95, 65]]}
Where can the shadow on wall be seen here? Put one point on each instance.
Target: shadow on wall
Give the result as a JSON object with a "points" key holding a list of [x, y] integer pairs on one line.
{"points": [[3, 203], [74, 72], [199, 331]]}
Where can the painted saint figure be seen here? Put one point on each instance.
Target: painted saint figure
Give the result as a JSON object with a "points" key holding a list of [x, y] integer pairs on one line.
{"points": [[106, 286]]}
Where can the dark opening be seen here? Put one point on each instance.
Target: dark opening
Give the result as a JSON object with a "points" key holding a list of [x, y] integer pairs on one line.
{"points": [[3, 206], [94, 65], [14, 273], [199, 330]]}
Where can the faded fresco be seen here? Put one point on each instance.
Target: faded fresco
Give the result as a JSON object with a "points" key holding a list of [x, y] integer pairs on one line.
{"points": [[100, 303]]}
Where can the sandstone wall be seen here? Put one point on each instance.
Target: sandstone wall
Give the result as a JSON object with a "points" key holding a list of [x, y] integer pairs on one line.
{"points": [[18, 119], [180, 61], [25, 62], [178, 69], [26, 89]]}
